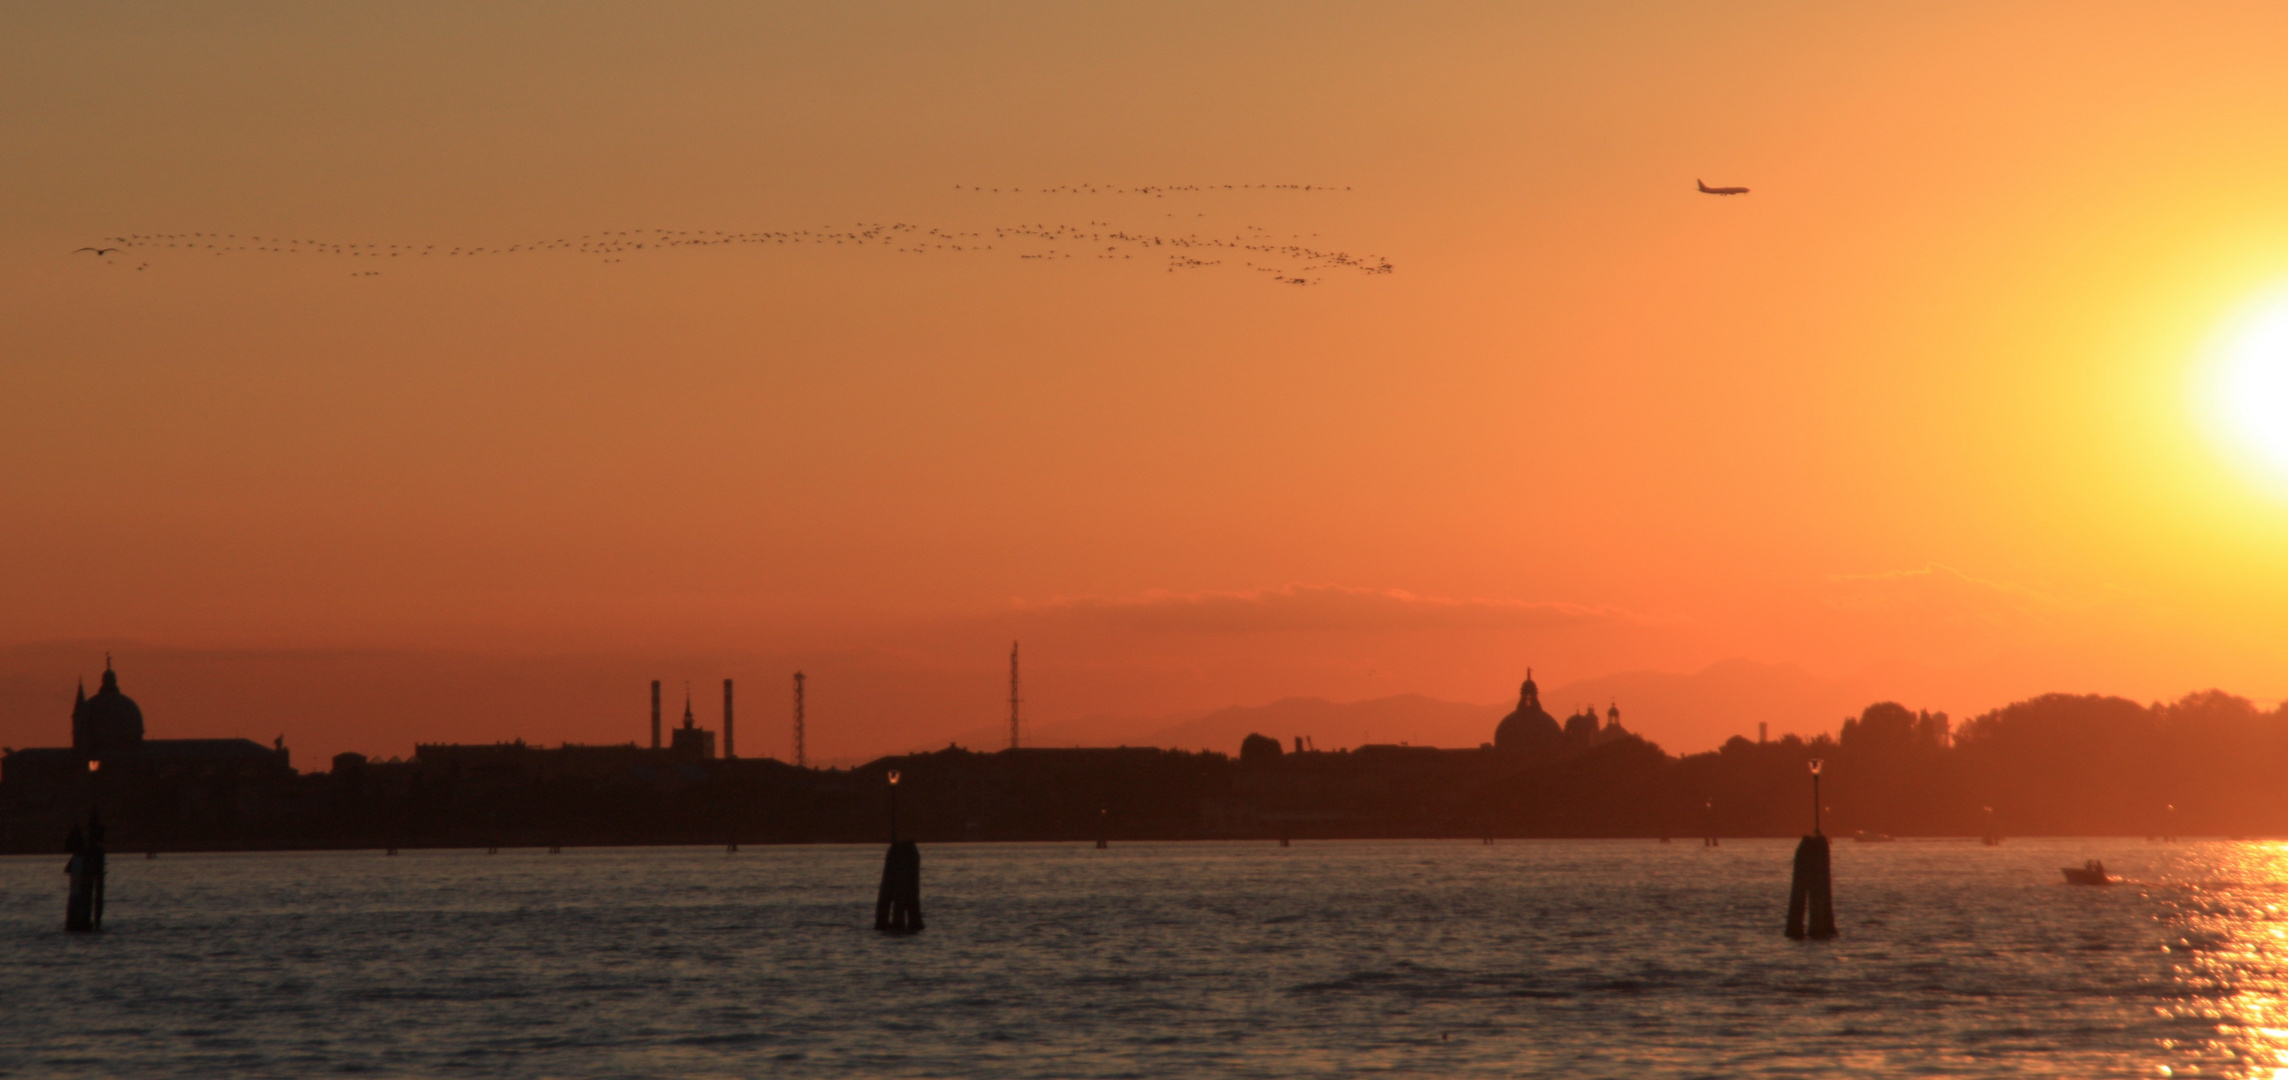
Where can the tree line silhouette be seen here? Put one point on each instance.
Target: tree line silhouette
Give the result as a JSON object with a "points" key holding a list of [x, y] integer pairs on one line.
{"points": [[2060, 765]]}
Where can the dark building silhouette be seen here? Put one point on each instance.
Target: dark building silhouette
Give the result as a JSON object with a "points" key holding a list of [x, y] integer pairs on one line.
{"points": [[107, 737], [1528, 727], [1581, 728], [109, 724], [691, 740], [111, 764]]}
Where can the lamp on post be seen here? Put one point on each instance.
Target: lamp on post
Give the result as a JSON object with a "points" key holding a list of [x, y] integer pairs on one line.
{"points": [[1815, 764], [898, 906], [1811, 896], [893, 806]]}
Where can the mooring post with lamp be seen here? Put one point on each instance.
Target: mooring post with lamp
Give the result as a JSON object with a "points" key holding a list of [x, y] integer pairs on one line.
{"points": [[83, 903], [898, 905], [1810, 891], [83, 898]]}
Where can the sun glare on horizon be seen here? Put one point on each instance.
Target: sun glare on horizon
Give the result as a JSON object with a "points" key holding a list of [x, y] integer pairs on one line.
{"points": [[2246, 391]]}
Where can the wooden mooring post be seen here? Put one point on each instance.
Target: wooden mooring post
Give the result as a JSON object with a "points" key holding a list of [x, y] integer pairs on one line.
{"points": [[898, 904], [1811, 893], [83, 905], [1811, 896]]}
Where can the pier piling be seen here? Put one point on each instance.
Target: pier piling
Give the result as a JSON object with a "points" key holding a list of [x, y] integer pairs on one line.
{"points": [[1811, 896], [898, 904], [83, 906]]}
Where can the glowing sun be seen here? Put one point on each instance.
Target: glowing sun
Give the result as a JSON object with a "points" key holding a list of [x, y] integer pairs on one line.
{"points": [[2248, 385]]}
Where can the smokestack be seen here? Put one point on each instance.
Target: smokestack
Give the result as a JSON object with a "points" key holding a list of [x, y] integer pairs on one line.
{"points": [[800, 761], [728, 751], [1763, 731], [1014, 726], [655, 714]]}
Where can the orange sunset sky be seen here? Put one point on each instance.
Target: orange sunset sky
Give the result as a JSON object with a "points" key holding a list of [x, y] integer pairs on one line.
{"points": [[1929, 415]]}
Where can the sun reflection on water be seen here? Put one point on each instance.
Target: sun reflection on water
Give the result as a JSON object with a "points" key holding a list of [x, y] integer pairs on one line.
{"points": [[2227, 942]]}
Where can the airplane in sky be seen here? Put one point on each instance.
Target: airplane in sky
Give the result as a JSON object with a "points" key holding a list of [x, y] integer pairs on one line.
{"points": [[1706, 190]]}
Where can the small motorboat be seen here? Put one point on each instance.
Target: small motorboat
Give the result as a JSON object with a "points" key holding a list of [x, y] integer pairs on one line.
{"points": [[1865, 837], [2090, 873]]}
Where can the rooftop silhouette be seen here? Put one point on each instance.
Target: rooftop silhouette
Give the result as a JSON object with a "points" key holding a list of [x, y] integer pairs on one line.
{"points": [[2057, 764]]}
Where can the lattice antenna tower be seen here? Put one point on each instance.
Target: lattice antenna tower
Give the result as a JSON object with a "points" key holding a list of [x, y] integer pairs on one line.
{"points": [[800, 761], [1013, 698]]}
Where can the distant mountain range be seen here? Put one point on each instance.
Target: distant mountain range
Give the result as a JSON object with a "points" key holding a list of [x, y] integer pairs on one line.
{"points": [[1690, 713], [1410, 718], [1685, 713]]}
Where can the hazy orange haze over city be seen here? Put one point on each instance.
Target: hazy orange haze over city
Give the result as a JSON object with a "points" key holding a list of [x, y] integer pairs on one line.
{"points": [[1928, 415]]}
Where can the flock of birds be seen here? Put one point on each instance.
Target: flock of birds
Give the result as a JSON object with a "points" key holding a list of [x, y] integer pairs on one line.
{"points": [[1293, 259], [1296, 259], [1154, 190], [1302, 256]]}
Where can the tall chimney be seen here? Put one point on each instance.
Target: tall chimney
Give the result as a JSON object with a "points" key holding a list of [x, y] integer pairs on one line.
{"points": [[655, 714], [1763, 731], [728, 751], [800, 761], [1014, 727]]}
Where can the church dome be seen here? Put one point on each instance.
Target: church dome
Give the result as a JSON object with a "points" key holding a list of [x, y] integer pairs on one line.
{"points": [[108, 723], [1528, 727]]}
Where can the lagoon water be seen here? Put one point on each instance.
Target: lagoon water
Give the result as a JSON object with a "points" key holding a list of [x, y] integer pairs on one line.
{"points": [[1414, 958]]}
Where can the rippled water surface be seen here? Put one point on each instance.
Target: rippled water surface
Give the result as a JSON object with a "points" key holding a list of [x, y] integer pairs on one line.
{"points": [[1151, 960]]}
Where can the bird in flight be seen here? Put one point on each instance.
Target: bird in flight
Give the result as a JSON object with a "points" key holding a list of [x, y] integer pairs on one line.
{"points": [[1706, 190], [98, 251]]}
